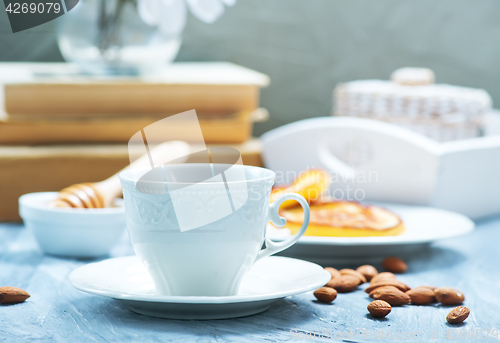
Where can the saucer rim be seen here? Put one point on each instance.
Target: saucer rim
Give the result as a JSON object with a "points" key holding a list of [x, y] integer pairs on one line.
{"points": [[232, 299]]}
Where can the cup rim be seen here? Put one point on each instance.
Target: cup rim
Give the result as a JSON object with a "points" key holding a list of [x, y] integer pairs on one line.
{"points": [[127, 177]]}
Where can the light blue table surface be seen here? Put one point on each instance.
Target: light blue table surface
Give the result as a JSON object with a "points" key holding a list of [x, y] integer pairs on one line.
{"points": [[56, 312]]}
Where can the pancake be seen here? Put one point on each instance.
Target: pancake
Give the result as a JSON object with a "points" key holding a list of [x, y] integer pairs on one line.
{"points": [[344, 219]]}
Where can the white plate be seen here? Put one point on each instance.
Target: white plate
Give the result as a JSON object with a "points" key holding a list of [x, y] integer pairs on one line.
{"points": [[424, 225], [269, 280]]}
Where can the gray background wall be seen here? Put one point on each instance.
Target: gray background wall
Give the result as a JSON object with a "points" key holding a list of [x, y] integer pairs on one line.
{"points": [[308, 46]]}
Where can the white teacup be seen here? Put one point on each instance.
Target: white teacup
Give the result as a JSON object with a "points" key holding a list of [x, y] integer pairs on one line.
{"points": [[212, 259]]}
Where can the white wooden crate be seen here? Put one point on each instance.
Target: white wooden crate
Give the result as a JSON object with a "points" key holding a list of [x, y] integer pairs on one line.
{"points": [[384, 162]]}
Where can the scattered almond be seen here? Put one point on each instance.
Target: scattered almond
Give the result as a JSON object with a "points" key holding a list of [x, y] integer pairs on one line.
{"points": [[458, 315], [12, 295], [384, 288], [333, 272], [379, 308], [344, 284], [394, 265], [325, 294], [393, 296], [382, 276], [449, 296], [376, 292], [367, 271], [421, 296], [354, 273], [388, 282]]}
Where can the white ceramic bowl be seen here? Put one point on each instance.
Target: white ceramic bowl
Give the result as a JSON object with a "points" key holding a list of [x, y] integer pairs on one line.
{"points": [[71, 232]]}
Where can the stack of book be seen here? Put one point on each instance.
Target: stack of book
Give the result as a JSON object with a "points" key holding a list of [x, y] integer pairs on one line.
{"points": [[59, 127]]}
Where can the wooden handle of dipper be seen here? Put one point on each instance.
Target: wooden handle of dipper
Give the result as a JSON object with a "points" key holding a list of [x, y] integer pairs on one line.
{"points": [[102, 194]]}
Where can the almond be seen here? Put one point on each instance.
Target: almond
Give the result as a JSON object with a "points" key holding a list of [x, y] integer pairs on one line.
{"points": [[458, 315], [394, 265], [354, 273], [12, 295], [325, 294], [379, 308], [388, 282], [333, 272], [344, 284], [367, 271], [421, 296], [432, 288], [449, 296], [393, 296], [376, 292], [382, 276]]}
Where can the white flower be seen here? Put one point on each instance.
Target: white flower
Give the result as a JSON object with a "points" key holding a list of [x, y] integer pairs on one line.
{"points": [[170, 15]]}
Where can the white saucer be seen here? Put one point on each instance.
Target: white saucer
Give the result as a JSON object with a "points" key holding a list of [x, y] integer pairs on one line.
{"points": [[269, 280], [424, 225]]}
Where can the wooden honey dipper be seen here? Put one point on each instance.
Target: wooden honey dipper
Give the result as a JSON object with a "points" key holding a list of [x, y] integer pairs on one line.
{"points": [[102, 194]]}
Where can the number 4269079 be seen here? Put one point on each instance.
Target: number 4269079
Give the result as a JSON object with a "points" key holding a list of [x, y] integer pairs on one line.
{"points": [[48, 7]]}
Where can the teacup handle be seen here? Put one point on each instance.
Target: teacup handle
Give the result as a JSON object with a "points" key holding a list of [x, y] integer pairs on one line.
{"points": [[277, 220]]}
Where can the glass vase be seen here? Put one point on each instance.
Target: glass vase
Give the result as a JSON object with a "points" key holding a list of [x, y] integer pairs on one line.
{"points": [[109, 37]]}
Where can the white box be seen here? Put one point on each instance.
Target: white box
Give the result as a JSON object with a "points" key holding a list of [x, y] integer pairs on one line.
{"points": [[376, 161]]}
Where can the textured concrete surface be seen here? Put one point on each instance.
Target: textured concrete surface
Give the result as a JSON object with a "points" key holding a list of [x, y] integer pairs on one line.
{"points": [[56, 312]]}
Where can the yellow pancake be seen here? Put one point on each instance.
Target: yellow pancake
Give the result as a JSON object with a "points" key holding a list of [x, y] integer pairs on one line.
{"points": [[345, 219]]}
